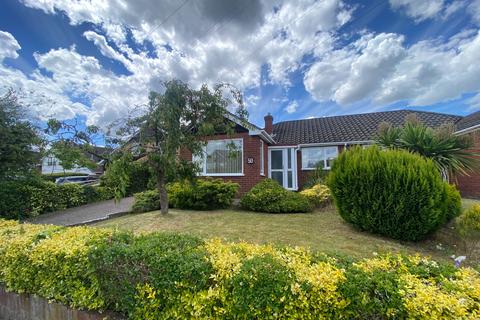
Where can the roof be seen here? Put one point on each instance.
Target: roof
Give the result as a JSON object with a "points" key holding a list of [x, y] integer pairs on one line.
{"points": [[349, 128], [469, 121]]}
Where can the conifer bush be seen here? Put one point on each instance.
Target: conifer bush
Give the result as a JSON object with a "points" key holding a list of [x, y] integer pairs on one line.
{"points": [[391, 192]]}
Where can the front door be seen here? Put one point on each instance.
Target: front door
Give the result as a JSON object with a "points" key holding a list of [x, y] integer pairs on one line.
{"points": [[282, 167]]}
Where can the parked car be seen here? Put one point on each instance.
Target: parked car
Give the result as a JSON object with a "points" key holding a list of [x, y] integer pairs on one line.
{"points": [[83, 180]]}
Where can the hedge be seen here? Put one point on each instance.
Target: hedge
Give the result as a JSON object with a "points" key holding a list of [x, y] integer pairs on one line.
{"points": [[392, 192], [29, 198], [201, 194], [268, 196], [173, 276]]}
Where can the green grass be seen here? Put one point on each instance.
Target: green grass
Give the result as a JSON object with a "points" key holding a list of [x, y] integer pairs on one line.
{"points": [[323, 230]]}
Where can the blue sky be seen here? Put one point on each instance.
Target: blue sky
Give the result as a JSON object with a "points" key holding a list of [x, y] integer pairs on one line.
{"points": [[96, 60]]}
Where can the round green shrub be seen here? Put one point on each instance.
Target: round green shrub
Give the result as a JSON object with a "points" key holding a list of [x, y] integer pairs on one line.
{"points": [[146, 201], [202, 194], [391, 192], [269, 196]]}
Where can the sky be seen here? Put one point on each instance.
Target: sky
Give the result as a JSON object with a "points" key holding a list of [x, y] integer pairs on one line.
{"points": [[95, 60]]}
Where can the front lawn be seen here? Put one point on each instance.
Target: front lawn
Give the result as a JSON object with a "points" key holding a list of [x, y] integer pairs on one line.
{"points": [[322, 230]]}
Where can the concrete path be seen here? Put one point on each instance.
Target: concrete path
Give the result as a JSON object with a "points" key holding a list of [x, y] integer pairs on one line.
{"points": [[86, 214]]}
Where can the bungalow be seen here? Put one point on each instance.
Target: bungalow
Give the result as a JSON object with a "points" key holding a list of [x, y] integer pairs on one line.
{"points": [[288, 151]]}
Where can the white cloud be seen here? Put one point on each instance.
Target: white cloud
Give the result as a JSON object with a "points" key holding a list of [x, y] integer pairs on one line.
{"points": [[292, 107], [419, 10], [474, 102], [382, 70], [199, 42], [474, 10], [8, 46]]}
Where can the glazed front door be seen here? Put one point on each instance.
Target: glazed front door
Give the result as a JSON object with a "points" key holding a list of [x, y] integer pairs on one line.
{"points": [[282, 167]]}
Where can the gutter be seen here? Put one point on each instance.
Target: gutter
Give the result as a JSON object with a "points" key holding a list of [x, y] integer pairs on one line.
{"points": [[263, 134], [467, 130], [344, 143]]}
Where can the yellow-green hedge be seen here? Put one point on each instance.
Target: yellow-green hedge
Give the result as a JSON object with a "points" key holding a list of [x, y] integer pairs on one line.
{"points": [[172, 276]]}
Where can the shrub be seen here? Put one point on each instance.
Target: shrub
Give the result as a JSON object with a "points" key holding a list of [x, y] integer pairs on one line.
{"points": [[202, 194], [319, 195], [175, 265], [146, 201], [28, 198], [317, 176], [14, 200], [269, 196], [468, 225], [393, 192], [171, 276], [453, 202]]}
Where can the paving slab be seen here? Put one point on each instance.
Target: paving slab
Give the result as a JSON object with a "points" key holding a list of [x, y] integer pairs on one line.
{"points": [[86, 214]]}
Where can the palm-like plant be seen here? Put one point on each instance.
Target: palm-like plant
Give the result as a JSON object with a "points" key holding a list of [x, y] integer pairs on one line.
{"points": [[449, 151]]}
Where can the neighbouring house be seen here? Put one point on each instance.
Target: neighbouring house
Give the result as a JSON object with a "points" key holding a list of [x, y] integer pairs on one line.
{"points": [[50, 164], [289, 151]]}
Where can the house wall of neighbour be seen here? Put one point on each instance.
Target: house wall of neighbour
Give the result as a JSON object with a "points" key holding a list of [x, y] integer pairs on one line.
{"points": [[469, 186], [52, 165], [251, 171]]}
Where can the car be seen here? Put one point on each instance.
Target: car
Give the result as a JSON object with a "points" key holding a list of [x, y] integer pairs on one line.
{"points": [[83, 180]]}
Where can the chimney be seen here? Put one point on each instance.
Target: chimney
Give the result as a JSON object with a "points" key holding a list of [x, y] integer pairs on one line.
{"points": [[268, 123]]}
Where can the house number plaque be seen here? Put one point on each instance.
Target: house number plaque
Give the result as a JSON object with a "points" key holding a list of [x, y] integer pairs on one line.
{"points": [[250, 160]]}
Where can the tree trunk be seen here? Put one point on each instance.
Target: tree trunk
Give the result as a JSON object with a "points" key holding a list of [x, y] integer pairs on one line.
{"points": [[162, 192]]}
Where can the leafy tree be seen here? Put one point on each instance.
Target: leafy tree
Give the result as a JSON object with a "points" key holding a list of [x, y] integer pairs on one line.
{"points": [[72, 145], [20, 142], [449, 152], [174, 120]]}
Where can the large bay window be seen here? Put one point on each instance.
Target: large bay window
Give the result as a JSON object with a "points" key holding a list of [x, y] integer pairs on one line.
{"points": [[221, 158], [318, 156]]}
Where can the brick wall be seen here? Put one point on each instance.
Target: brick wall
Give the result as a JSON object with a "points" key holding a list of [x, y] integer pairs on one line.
{"points": [[251, 149], [469, 186]]}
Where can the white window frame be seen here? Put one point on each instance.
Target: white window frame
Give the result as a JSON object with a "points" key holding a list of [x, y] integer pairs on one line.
{"points": [[262, 158], [324, 160], [203, 171]]}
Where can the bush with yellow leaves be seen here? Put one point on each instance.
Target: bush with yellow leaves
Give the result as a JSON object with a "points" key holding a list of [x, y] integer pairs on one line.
{"points": [[319, 195], [173, 276]]}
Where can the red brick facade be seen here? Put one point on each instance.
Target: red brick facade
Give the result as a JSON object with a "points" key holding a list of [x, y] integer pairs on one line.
{"points": [[251, 171], [469, 186]]}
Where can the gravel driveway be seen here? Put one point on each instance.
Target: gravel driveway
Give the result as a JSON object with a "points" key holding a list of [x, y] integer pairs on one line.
{"points": [[88, 213]]}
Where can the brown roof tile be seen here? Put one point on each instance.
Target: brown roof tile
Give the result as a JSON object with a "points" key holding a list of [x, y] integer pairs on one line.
{"points": [[357, 127]]}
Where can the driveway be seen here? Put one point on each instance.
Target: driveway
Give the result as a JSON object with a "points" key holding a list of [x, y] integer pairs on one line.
{"points": [[86, 214]]}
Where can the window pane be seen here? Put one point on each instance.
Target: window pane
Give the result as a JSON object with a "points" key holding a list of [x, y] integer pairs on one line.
{"points": [[223, 157], [290, 179], [277, 159], [331, 153], [312, 156], [278, 176]]}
